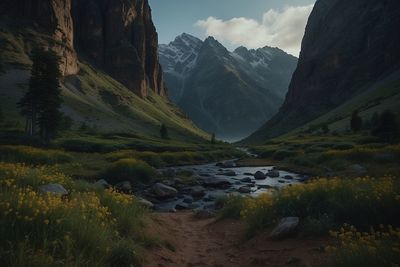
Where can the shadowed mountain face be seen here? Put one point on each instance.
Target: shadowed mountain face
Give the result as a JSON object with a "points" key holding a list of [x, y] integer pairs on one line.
{"points": [[227, 93], [118, 36], [348, 45]]}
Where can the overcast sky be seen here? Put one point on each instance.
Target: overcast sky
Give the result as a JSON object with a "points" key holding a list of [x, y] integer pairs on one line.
{"points": [[251, 23]]}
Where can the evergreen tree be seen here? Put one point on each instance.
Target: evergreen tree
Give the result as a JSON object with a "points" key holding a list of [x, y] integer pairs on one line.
{"points": [[356, 122], [164, 131], [41, 103], [1, 115], [213, 138], [387, 128]]}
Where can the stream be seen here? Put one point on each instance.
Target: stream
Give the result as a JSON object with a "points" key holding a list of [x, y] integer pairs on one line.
{"points": [[215, 180]]}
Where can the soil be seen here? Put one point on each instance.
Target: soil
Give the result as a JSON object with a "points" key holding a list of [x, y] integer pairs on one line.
{"points": [[189, 241]]}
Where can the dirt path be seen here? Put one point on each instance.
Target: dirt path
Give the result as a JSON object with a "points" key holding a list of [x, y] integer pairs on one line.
{"points": [[192, 242]]}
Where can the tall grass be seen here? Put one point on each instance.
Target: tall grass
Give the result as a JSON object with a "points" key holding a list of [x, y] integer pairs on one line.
{"points": [[87, 228], [31, 155], [131, 170]]}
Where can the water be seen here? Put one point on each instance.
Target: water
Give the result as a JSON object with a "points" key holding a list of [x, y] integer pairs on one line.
{"points": [[206, 172]]}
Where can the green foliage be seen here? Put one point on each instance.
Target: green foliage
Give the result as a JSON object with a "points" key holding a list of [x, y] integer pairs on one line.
{"points": [[213, 138], [356, 122], [131, 170], [88, 228], [163, 131], [41, 104], [387, 128], [31, 155]]}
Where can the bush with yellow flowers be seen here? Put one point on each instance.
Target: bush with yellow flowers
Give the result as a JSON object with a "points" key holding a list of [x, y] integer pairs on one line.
{"points": [[89, 227], [378, 247], [361, 201], [32, 155]]}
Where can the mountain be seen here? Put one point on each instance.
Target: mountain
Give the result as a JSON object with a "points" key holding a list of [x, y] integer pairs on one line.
{"points": [[108, 49], [350, 49], [227, 93]]}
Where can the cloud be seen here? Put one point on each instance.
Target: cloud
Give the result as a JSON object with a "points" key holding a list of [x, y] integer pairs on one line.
{"points": [[281, 28]]}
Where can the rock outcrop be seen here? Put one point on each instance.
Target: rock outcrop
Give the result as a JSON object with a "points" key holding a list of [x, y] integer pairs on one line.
{"points": [[116, 36], [347, 46], [51, 17], [120, 37]]}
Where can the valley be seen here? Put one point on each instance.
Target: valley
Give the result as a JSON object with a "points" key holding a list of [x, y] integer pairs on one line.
{"points": [[213, 149]]}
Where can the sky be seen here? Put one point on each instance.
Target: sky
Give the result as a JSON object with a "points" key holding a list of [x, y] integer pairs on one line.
{"points": [[249, 23]]}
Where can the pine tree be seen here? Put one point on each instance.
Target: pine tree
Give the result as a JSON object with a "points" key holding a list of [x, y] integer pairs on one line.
{"points": [[164, 131], [356, 122], [41, 103], [213, 138]]}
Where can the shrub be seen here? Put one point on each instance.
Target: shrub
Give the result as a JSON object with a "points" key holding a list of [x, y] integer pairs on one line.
{"points": [[387, 128], [353, 248], [356, 122], [49, 230], [33, 155], [283, 154], [131, 170]]}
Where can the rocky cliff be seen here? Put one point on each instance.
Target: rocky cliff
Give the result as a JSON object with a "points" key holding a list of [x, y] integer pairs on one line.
{"points": [[116, 36], [347, 46]]}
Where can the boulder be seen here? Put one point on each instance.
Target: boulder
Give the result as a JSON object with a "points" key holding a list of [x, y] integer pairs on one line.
{"points": [[54, 189], [285, 227], [217, 182], [169, 172], [188, 200], [124, 187], [182, 206], [164, 191], [197, 191], [244, 190], [249, 173], [288, 177], [273, 173], [259, 175], [145, 203], [227, 164], [102, 183]]}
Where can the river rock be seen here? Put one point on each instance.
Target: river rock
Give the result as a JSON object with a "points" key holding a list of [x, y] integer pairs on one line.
{"points": [[197, 191], [285, 227], [169, 182], [124, 187], [169, 172], [145, 203], [288, 177], [182, 206], [228, 173], [227, 164], [217, 182], [246, 180], [245, 190], [249, 173], [259, 175], [273, 173], [164, 191], [102, 183], [54, 189], [188, 200]]}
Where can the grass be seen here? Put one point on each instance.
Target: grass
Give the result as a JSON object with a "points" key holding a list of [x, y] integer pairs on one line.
{"points": [[31, 155], [362, 202], [353, 248], [131, 170], [50, 230]]}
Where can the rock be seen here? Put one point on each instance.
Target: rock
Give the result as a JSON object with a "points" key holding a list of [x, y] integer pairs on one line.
{"points": [[182, 206], [249, 173], [227, 164], [194, 206], [164, 191], [203, 214], [285, 227], [245, 190], [169, 182], [228, 173], [124, 187], [208, 199], [145, 203], [188, 200], [288, 177], [217, 182], [102, 183], [273, 173], [172, 210], [281, 181], [246, 180], [197, 191], [259, 175], [54, 189], [358, 169], [169, 172], [264, 186]]}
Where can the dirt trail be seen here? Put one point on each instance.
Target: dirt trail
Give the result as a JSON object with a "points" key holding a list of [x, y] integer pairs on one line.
{"points": [[193, 242]]}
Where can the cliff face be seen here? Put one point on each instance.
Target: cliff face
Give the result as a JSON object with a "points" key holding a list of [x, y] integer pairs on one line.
{"points": [[52, 17], [120, 37], [347, 45], [117, 36]]}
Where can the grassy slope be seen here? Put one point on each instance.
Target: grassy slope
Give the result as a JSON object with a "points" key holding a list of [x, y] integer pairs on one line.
{"points": [[91, 96]]}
